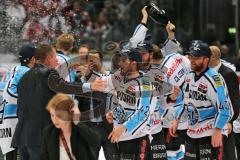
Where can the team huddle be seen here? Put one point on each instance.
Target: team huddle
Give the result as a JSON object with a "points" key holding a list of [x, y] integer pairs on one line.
{"points": [[179, 106]]}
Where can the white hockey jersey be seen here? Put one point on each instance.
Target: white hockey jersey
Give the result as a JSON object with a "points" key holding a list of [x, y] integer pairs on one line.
{"points": [[177, 67], [170, 46], [63, 67], [8, 120], [207, 103], [133, 102]]}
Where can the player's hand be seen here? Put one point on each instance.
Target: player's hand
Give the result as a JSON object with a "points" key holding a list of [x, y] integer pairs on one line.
{"points": [[173, 129], [98, 85], [217, 138], [176, 91], [170, 30], [109, 117], [145, 15], [116, 133]]}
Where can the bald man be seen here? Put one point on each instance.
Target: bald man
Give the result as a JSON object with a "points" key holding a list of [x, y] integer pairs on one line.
{"points": [[231, 80]]}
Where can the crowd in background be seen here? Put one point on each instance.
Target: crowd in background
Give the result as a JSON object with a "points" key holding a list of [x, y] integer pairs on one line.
{"points": [[42, 21], [94, 22]]}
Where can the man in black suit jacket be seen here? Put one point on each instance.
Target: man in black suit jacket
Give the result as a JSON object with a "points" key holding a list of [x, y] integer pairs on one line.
{"points": [[35, 89], [231, 80]]}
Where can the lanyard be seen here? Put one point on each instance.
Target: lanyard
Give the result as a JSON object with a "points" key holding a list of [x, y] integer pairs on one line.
{"points": [[65, 145]]}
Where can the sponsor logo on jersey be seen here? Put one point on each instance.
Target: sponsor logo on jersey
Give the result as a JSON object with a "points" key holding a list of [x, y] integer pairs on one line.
{"points": [[217, 80], [188, 80], [197, 95], [200, 130], [193, 115], [119, 115], [5, 132], [202, 88], [175, 65], [131, 90], [179, 75], [126, 98], [117, 78]]}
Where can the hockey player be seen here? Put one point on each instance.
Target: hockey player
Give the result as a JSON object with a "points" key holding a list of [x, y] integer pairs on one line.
{"points": [[208, 107], [134, 113], [64, 46], [174, 67], [9, 112]]}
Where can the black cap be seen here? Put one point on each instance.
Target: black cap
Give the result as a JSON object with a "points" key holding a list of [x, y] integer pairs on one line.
{"points": [[132, 54], [145, 47], [200, 49], [26, 53], [192, 44]]}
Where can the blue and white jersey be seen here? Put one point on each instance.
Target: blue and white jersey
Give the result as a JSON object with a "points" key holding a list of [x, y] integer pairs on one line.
{"points": [[169, 46], [10, 92], [64, 69], [157, 74], [207, 103], [4, 77], [176, 67], [133, 105], [9, 118]]}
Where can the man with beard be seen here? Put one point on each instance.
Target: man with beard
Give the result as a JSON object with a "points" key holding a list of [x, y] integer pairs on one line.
{"points": [[173, 68], [208, 106], [133, 103]]}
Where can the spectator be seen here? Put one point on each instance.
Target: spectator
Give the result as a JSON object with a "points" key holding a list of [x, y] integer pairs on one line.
{"points": [[63, 139], [31, 5], [33, 30], [101, 28], [55, 24], [80, 21], [16, 13], [35, 89]]}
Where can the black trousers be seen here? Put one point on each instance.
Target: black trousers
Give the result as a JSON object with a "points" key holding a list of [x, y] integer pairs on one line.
{"points": [[229, 147], [237, 138], [174, 143], [143, 149], [30, 153], [109, 148], [12, 155], [201, 149]]}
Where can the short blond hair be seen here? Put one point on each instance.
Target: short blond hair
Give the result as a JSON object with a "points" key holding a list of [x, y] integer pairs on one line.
{"points": [[65, 41], [60, 102]]}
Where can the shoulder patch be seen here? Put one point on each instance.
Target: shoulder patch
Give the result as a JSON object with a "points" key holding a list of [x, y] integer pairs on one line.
{"points": [[217, 80]]}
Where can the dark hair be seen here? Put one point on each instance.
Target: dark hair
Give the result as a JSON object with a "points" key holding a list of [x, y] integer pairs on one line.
{"points": [[43, 50], [96, 52], [114, 62], [157, 54]]}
